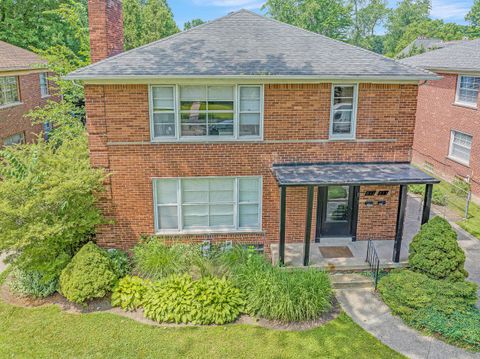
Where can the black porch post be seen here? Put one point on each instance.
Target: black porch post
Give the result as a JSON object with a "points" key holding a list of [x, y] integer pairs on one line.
{"points": [[308, 226], [427, 203], [283, 201], [402, 203]]}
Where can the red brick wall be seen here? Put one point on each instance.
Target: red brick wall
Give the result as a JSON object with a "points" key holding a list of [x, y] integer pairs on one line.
{"points": [[12, 120], [106, 28], [118, 124], [437, 115]]}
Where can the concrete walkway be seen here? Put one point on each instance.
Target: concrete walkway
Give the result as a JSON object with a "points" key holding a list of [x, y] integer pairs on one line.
{"points": [[2, 265], [368, 311]]}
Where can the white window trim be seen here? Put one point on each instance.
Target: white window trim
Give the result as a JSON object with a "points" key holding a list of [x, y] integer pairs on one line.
{"points": [[451, 156], [236, 117], [46, 84], [15, 103], [457, 92], [351, 136], [208, 230]]}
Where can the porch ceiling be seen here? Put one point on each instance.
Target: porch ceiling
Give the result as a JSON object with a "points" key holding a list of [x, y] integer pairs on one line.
{"points": [[324, 174]]}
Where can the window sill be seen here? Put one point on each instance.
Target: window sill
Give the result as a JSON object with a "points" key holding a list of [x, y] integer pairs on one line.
{"points": [[207, 232], [204, 140], [342, 139], [463, 163], [465, 105], [46, 96], [13, 104]]}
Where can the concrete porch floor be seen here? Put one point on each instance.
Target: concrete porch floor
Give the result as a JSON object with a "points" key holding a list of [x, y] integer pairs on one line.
{"points": [[294, 251]]}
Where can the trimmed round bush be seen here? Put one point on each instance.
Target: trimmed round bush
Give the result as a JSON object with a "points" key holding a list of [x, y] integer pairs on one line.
{"points": [[435, 252], [89, 275], [31, 283], [129, 292]]}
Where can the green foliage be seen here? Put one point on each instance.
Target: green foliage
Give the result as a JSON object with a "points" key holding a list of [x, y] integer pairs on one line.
{"points": [[278, 294], [120, 262], [438, 196], [435, 251], [405, 292], [179, 299], [145, 21], [327, 17], [129, 292], [417, 188], [31, 283], [89, 275], [366, 16], [192, 23], [460, 188], [473, 16]]}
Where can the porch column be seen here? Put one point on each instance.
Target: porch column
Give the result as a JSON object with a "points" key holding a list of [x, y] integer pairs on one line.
{"points": [[427, 203], [402, 203], [308, 226], [283, 201]]}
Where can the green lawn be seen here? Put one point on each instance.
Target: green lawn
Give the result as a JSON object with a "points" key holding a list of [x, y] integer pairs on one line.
{"points": [[50, 333]]}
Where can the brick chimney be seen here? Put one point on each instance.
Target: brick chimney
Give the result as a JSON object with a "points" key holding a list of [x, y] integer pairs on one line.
{"points": [[106, 28]]}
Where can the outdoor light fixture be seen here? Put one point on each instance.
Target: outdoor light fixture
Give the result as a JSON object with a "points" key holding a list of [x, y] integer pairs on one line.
{"points": [[382, 203], [369, 203]]}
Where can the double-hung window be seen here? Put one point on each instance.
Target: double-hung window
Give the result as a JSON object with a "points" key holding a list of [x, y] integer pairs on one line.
{"points": [[16, 139], [343, 111], [207, 204], [8, 90], [460, 147], [467, 90], [44, 85], [213, 112]]}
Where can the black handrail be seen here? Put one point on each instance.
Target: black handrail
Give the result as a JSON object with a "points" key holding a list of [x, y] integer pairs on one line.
{"points": [[373, 261]]}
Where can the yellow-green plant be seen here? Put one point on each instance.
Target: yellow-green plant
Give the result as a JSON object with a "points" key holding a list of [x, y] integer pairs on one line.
{"points": [[129, 292]]}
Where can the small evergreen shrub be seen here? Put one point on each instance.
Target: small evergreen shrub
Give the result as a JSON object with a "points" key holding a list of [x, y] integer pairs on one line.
{"points": [[89, 275], [435, 252], [180, 299], [31, 283], [120, 262], [129, 292], [406, 292]]}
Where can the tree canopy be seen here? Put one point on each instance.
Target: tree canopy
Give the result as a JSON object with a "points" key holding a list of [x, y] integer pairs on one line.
{"points": [[192, 23]]}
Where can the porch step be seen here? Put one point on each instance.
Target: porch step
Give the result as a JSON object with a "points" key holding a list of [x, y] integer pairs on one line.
{"points": [[351, 280]]}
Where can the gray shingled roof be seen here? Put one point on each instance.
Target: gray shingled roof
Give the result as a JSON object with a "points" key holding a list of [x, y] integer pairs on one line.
{"points": [[427, 44], [464, 56], [245, 44]]}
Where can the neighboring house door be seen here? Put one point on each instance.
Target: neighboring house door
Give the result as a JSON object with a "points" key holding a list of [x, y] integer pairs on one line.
{"points": [[335, 211]]}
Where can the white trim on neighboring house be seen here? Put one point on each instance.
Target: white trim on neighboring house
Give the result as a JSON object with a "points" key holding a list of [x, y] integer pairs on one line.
{"points": [[352, 135], [457, 91], [236, 116], [236, 204], [450, 148]]}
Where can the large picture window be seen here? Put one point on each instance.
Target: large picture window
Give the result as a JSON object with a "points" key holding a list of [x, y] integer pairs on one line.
{"points": [[343, 111], [207, 204], [460, 147], [210, 111], [8, 90], [467, 90]]}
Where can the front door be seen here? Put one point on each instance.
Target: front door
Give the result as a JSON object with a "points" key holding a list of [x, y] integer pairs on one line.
{"points": [[334, 218]]}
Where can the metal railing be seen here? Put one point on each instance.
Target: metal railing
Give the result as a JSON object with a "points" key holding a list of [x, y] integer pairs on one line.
{"points": [[373, 261]]}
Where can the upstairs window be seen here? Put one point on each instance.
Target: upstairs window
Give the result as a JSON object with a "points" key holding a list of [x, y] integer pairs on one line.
{"points": [[216, 112], [44, 85], [467, 90], [460, 147], [8, 90], [343, 111]]}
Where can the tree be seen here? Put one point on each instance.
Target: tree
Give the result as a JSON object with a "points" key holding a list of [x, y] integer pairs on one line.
{"points": [[406, 13], [327, 17], [473, 17], [132, 23], [192, 23], [366, 15]]}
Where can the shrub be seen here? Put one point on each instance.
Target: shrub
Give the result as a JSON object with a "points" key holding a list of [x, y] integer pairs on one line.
{"points": [[435, 251], [89, 275], [417, 189], [129, 292], [31, 283], [460, 188], [405, 292], [439, 198], [179, 299], [120, 262]]}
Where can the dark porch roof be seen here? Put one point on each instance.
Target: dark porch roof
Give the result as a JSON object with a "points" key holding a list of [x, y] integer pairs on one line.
{"points": [[322, 174]]}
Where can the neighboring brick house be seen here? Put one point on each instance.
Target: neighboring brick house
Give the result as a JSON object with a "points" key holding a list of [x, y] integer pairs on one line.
{"points": [[240, 129], [24, 85], [447, 133]]}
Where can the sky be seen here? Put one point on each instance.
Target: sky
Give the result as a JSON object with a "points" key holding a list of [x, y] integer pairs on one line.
{"points": [[185, 10]]}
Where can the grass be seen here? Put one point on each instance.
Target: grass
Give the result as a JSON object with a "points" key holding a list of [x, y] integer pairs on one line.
{"points": [[49, 332]]}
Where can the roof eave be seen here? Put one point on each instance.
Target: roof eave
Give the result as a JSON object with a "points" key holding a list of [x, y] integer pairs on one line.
{"points": [[452, 69]]}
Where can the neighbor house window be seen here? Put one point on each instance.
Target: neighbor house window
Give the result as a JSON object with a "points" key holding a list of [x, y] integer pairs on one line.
{"points": [[8, 90], [460, 147], [207, 204], [15, 139], [467, 90], [44, 85], [210, 111], [343, 111]]}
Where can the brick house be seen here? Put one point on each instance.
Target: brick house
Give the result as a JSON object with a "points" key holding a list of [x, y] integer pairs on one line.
{"points": [[24, 85], [447, 131], [249, 130]]}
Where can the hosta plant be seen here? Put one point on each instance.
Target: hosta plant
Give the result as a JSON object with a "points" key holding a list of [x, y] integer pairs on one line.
{"points": [[129, 292]]}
